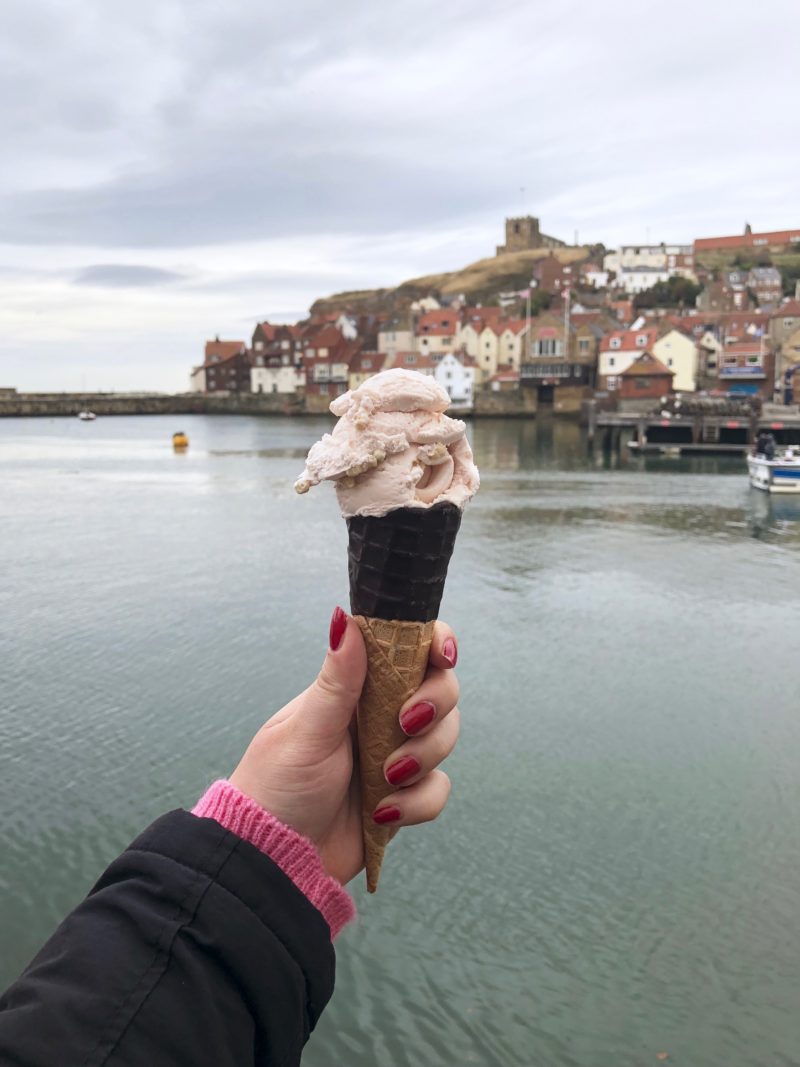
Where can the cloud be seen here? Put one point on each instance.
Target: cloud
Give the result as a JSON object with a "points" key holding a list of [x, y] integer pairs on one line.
{"points": [[124, 276], [210, 160]]}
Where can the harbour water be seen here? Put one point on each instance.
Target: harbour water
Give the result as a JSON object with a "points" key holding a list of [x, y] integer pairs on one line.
{"points": [[618, 873]]}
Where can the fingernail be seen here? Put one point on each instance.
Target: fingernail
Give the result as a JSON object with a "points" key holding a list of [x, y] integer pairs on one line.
{"points": [[417, 717], [382, 815], [401, 770], [338, 627], [450, 652]]}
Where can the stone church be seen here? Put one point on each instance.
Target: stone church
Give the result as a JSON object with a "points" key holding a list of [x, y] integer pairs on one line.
{"points": [[522, 234]]}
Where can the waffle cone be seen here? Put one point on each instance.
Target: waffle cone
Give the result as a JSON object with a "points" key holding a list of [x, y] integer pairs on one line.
{"points": [[397, 658]]}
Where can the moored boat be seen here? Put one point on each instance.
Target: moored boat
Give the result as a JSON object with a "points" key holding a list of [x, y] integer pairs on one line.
{"points": [[87, 416], [779, 474]]}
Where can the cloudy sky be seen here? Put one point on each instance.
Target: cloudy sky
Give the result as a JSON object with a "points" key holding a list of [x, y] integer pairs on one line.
{"points": [[173, 169]]}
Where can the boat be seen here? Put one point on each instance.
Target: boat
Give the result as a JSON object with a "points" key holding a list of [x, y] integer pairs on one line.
{"points": [[180, 442], [780, 474], [87, 416]]}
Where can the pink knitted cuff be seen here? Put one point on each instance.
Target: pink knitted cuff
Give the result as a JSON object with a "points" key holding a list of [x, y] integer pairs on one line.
{"points": [[293, 853]]}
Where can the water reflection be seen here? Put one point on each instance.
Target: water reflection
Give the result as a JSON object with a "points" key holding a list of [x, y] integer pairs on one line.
{"points": [[771, 517]]}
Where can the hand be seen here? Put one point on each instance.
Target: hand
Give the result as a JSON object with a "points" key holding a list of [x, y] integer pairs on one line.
{"points": [[300, 764]]}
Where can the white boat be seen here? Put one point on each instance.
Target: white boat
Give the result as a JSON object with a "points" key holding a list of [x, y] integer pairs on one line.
{"points": [[778, 475], [87, 416]]}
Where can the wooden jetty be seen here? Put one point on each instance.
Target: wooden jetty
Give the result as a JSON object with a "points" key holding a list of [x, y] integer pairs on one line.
{"points": [[672, 431]]}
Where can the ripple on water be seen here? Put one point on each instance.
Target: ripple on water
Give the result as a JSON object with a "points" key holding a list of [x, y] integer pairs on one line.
{"points": [[617, 872]]}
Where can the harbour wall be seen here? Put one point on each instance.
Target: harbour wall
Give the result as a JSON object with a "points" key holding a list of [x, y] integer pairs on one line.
{"points": [[520, 403]]}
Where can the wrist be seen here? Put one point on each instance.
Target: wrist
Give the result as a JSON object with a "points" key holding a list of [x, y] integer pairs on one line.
{"points": [[296, 855]]}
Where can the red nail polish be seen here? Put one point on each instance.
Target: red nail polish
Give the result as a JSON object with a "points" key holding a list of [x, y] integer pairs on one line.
{"points": [[401, 770], [450, 652], [417, 717], [338, 627], [382, 815]]}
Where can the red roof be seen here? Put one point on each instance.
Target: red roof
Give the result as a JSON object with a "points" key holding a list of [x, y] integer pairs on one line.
{"points": [[744, 348], [515, 325], [421, 361], [788, 310], [373, 360], [774, 237], [224, 349], [465, 359], [327, 337], [439, 323], [646, 364], [505, 373], [628, 340]]}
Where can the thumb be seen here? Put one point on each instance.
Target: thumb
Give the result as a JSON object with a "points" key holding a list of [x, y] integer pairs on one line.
{"points": [[330, 700]]}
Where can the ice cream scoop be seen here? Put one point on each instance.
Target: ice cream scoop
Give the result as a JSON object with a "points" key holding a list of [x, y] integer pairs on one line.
{"points": [[393, 447]]}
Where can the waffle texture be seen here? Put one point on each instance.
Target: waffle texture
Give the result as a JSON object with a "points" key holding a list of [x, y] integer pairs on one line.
{"points": [[397, 658], [398, 561]]}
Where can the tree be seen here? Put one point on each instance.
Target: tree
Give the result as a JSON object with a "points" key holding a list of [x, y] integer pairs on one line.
{"points": [[674, 292]]}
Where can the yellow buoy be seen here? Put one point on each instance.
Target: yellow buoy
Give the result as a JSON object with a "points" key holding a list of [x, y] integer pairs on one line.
{"points": [[180, 441]]}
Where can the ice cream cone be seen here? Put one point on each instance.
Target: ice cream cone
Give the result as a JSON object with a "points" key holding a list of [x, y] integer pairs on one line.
{"points": [[398, 565], [403, 472]]}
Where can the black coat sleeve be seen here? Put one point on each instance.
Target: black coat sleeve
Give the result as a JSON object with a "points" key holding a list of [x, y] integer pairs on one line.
{"points": [[193, 949]]}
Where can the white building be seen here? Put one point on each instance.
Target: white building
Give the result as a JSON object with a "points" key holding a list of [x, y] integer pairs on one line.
{"points": [[618, 350], [427, 303], [457, 376], [276, 374], [197, 380], [637, 279]]}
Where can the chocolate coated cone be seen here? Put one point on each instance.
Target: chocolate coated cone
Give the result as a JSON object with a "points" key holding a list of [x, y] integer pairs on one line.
{"points": [[398, 564], [397, 658], [398, 561]]}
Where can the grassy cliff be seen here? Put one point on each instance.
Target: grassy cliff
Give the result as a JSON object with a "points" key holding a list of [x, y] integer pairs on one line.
{"points": [[480, 282]]}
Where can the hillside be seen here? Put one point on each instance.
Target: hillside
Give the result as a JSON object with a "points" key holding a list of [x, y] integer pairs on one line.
{"points": [[480, 282]]}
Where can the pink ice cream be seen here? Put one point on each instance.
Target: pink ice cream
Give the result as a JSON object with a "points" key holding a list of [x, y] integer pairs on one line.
{"points": [[393, 447]]}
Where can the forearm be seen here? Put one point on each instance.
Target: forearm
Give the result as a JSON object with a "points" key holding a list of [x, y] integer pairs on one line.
{"points": [[194, 947]]}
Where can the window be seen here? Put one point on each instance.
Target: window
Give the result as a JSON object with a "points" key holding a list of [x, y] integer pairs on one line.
{"points": [[669, 361], [259, 361], [641, 340], [788, 323], [487, 344], [611, 361], [323, 390], [366, 364], [611, 382], [583, 344], [449, 375], [754, 361], [642, 383], [258, 346], [410, 358], [615, 342], [548, 347]]}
